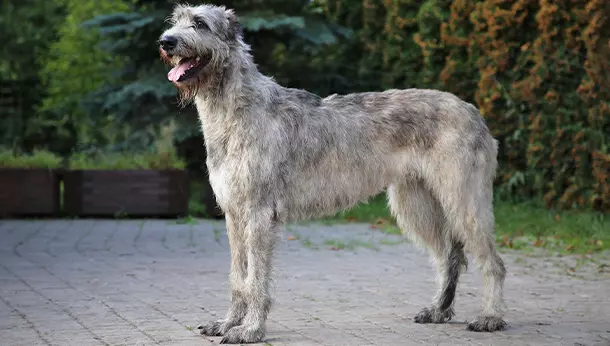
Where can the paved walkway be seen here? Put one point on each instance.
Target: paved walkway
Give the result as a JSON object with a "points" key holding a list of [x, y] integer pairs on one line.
{"points": [[92, 282]]}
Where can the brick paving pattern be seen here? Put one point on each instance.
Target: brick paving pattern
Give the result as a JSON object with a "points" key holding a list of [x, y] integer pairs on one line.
{"points": [[132, 282]]}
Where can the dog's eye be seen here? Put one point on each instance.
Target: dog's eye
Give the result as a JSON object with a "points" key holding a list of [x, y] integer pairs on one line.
{"points": [[201, 24]]}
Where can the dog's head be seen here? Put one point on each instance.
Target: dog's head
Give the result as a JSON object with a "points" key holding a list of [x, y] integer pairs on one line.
{"points": [[198, 44]]}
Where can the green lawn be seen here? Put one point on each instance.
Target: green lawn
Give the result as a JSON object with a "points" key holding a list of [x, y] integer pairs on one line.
{"points": [[522, 226]]}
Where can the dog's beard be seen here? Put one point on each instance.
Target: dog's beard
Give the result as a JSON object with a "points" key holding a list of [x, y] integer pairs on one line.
{"points": [[188, 91]]}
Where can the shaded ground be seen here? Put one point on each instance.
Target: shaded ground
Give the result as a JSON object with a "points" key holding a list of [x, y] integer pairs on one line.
{"points": [[91, 282]]}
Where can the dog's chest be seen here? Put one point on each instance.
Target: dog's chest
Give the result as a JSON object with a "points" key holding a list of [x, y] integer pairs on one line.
{"points": [[220, 182], [230, 179]]}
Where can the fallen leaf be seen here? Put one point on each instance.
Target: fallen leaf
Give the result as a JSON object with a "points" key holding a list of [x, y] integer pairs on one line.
{"points": [[291, 237]]}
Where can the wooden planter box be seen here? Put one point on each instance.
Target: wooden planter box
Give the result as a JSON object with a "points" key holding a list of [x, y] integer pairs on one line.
{"points": [[29, 192], [147, 193]]}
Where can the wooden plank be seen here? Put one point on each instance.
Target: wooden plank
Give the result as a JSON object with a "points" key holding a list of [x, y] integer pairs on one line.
{"points": [[133, 192], [28, 192]]}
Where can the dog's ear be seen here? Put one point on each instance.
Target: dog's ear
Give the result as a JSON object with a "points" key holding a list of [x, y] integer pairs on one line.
{"points": [[235, 30]]}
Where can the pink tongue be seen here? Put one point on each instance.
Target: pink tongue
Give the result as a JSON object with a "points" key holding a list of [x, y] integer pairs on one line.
{"points": [[178, 71]]}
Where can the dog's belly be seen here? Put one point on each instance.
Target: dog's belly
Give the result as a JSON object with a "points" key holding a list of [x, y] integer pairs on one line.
{"points": [[327, 189], [317, 198]]}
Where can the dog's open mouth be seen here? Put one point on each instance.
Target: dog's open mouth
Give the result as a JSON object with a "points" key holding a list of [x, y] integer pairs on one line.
{"points": [[187, 68]]}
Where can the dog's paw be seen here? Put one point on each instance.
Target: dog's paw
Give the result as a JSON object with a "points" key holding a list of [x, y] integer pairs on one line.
{"points": [[433, 315], [487, 324], [216, 328], [243, 334]]}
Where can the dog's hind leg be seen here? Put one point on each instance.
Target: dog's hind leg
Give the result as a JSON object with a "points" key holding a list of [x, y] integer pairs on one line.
{"points": [[261, 237], [481, 243], [237, 278], [421, 218], [466, 196]]}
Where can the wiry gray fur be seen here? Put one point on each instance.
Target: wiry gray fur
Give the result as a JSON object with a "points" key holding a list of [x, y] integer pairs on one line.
{"points": [[277, 155]]}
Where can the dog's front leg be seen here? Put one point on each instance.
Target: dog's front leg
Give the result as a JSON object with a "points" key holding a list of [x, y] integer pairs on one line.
{"points": [[237, 278], [261, 238]]}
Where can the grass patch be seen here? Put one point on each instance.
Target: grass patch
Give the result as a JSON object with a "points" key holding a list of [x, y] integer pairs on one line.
{"points": [[391, 241], [217, 234], [307, 243], [522, 226], [337, 244], [188, 220], [371, 212], [530, 225]]}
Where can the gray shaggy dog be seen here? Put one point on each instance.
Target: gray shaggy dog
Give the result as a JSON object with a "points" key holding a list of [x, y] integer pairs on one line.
{"points": [[277, 155]]}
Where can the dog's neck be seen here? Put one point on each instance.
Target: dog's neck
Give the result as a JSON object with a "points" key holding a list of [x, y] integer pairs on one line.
{"points": [[225, 108], [238, 85]]}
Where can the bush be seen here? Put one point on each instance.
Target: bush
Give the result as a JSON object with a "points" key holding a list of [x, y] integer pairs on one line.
{"points": [[37, 159], [543, 89], [162, 156], [127, 160], [537, 70]]}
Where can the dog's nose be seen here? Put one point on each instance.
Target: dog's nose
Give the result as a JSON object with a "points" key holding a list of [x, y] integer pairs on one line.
{"points": [[168, 42]]}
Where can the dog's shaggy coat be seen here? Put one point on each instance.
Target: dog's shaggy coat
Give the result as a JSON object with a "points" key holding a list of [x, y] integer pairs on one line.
{"points": [[278, 154]]}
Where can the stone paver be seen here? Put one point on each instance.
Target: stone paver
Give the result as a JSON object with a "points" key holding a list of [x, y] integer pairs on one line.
{"points": [[132, 282]]}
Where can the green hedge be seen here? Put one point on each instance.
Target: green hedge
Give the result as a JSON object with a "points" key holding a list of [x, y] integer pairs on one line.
{"points": [[538, 71]]}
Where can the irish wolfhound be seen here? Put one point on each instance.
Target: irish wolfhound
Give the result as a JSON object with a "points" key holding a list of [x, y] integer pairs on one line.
{"points": [[277, 155]]}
